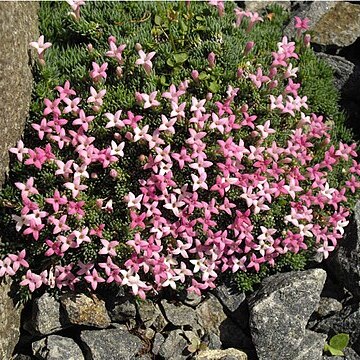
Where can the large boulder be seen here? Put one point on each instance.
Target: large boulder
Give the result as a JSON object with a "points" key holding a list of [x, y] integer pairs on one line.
{"points": [[18, 26], [280, 310]]}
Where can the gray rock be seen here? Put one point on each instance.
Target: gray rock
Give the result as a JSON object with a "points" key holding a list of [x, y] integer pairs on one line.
{"points": [[228, 354], [340, 26], [342, 68], [121, 309], [18, 26], [150, 315], [191, 299], [22, 357], [56, 347], [328, 306], [212, 341], [314, 12], [179, 314], [46, 317], [349, 354], [81, 309], [158, 341], [345, 263], [258, 6], [311, 347], [346, 321], [230, 299], [211, 315], [110, 344], [174, 347], [281, 309]]}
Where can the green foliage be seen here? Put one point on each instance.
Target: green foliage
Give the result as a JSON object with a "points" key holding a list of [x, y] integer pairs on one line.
{"points": [[337, 344]]}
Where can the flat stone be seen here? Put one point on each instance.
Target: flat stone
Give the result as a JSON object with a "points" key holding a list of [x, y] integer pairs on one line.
{"points": [[191, 299], [121, 309], [84, 310], [56, 347], [46, 317], [349, 354], [110, 344], [179, 314], [174, 347], [328, 306], [228, 354], [280, 310]]}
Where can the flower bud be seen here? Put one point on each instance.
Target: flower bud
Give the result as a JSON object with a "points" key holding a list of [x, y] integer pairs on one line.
{"points": [[307, 39], [94, 175], [99, 203], [113, 173], [90, 48], [119, 72], [117, 136], [209, 96], [249, 45], [195, 75], [211, 60], [111, 39], [240, 73], [138, 47], [272, 72]]}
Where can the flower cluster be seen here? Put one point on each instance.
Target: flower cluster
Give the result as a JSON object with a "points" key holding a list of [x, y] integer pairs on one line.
{"points": [[212, 176]]}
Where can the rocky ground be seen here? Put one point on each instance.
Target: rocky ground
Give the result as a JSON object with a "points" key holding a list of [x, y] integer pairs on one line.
{"points": [[290, 316]]}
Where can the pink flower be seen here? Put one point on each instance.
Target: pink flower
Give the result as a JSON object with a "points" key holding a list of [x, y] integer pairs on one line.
{"points": [[145, 60], [32, 280], [98, 72], [108, 247], [93, 279], [75, 186], [18, 260]]}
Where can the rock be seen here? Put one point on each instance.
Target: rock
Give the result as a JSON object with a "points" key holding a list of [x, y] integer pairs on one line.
{"points": [[84, 310], [22, 357], [158, 341], [314, 12], [311, 347], [56, 347], [340, 26], [280, 310], [346, 321], [150, 315], [344, 265], [18, 26], [191, 299], [349, 354], [110, 344], [121, 308], [258, 6], [211, 315], [46, 317], [228, 354], [179, 314], [212, 341], [230, 299], [174, 347], [328, 306], [341, 67], [213, 320]]}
